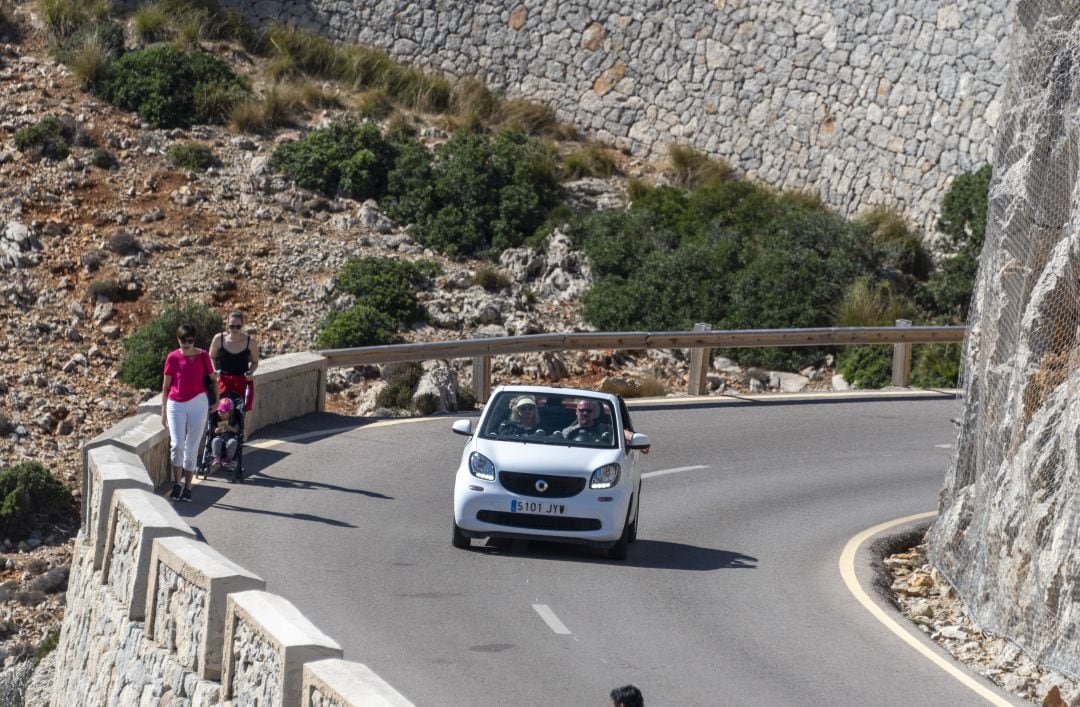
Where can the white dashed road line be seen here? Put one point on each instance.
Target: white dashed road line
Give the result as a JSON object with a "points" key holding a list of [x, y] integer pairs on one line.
{"points": [[675, 470], [551, 619]]}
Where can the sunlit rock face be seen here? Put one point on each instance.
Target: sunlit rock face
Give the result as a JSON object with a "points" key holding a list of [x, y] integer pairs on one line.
{"points": [[1008, 532]]}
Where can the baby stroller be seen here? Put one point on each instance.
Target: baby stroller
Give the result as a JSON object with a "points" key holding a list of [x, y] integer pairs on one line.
{"points": [[232, 410]]}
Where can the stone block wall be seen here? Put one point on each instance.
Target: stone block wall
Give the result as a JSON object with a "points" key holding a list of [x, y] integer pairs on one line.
{"points": [[155, 616], [865, 103]]}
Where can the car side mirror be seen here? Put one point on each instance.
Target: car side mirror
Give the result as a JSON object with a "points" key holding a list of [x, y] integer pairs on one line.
{"points": [[462, 427], [639, 441]]}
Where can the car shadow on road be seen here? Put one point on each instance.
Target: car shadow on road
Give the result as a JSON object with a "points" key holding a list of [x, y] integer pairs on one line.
{"points": [[653, 554], [293, 516], [261, 478]]}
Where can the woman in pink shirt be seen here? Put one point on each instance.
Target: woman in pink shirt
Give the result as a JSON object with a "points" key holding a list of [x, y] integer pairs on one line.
{"points": [[184, 407]]}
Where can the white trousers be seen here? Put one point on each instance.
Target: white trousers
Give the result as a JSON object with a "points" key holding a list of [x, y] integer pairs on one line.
{"points": [[187, 422]]}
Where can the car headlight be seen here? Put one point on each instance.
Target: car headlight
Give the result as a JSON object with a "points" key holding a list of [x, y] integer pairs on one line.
{"points": [[605, 477], [481, 467]]}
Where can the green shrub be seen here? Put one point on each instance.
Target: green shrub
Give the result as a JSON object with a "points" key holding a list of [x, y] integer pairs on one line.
{"points": [[387, 285], [146, 349], [867, 303], [593, 160], [104, 289], [50, 137], [359, 325], [484, 195], [168, 87], [691, 169], [32, 496], [103, 159], [103, 37], [48, 645], [962, 222], [90, 63], [466, 398], [62, 18], [401, 380], [345, 157], [903, 249], [193, 156], [866, 366], [936, 365], [150, 24], [427, 403], [490, 279]]}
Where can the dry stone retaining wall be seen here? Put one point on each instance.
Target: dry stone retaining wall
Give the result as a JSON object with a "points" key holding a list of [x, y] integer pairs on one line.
{"points": [[866, 103], [155, 616]]}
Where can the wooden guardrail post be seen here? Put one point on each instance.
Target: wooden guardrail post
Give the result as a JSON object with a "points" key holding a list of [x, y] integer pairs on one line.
{"points": [[481, 377], [901, 359], [699, 366]]}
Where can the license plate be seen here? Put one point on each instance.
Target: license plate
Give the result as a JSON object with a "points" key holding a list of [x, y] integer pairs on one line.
{"points": [[540, 507]]}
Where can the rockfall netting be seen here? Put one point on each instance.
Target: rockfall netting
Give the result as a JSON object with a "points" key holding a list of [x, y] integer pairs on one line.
{"points": [[1008, 531]]}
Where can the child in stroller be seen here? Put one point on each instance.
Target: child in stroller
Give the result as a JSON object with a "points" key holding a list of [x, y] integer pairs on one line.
{"points": [[225, 438]]}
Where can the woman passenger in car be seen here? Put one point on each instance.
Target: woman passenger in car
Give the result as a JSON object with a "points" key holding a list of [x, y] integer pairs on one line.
{"points": [[524, 418]]}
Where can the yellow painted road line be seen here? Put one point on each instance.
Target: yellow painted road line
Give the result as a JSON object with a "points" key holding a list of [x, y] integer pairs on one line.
{"points": [[847, 571]]}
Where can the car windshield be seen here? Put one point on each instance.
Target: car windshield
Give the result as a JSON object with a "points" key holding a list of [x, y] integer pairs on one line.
{"points": [[546, 418]]}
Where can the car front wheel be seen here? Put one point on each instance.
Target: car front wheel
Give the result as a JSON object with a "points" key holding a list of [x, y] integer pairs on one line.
{"points": [[619, 549], [459, 540]]}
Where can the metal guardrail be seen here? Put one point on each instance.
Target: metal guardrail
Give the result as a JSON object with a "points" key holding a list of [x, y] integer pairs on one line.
{"points": [[699, 341]]}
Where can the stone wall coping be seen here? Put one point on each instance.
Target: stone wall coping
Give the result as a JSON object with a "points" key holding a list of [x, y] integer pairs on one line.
{"points": [[156, 518], [297, 639], [205, 567], [277, 367], [137, 434], [350, 683], [112, 475], [279, 619]]}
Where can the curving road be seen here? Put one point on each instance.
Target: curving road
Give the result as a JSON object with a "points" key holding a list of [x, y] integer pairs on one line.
{"points": [[731, 596]]}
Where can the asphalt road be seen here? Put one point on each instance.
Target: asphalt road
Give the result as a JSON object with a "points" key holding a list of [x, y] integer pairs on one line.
{"points": [[731, 596]]}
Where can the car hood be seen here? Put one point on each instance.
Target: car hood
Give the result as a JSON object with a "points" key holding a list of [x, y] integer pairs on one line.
{"points": [[545, 458]]}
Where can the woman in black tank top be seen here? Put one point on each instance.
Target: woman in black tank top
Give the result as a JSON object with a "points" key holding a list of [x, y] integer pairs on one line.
{"points": [[236, 356]]}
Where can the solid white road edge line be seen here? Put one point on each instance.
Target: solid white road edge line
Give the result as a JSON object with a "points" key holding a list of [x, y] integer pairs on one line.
{"points": [[847, 571], [675, 470], [551, 619]]}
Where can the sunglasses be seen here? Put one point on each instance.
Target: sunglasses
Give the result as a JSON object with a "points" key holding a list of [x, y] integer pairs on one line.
{"points": [[585, 411], [236, 326], [189, 340], [527, 408]]}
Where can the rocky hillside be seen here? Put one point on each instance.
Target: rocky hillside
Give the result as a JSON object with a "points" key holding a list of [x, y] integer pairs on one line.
{"points": [[88, 254]]}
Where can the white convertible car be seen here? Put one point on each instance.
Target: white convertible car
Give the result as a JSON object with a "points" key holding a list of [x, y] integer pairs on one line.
{"points": [[550, 463]]}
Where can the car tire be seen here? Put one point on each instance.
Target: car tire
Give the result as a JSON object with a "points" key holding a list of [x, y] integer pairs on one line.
{"points": [[459, 540], [619, 549], [633, 526]]}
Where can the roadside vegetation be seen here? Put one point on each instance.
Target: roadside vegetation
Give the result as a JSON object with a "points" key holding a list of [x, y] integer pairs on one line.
{"points": [[703, 246]]}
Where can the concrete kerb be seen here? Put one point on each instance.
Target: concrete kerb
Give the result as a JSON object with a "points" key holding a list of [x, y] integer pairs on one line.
{"points": [[291, 635], [144, 436], [285, 384], [218, 576], [340, 682], [153, 517], [109, 469]]}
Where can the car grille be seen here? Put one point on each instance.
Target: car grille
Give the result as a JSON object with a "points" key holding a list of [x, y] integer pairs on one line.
{"points": [[525, 484], [538, 522]]}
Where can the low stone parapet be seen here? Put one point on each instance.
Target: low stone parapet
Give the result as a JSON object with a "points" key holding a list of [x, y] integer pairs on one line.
{"points": [[267, 642], [339, 683], [142, 435], [286, 387], [135, 519], [185, 602], [109, 469]]}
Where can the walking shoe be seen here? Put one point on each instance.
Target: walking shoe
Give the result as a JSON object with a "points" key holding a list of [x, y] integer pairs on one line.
{"points": [[185, 495], [177, 489], [218, 461]]}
